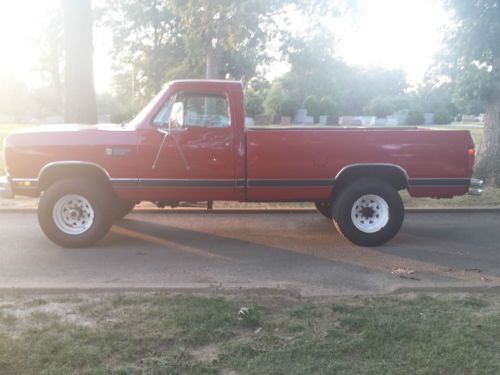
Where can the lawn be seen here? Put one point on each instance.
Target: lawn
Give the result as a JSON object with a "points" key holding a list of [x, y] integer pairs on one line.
{"points": [[159, 333]]}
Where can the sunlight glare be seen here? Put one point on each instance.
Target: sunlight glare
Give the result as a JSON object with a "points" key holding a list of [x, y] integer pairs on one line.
{"points": [[394, 34], [19, 26]]}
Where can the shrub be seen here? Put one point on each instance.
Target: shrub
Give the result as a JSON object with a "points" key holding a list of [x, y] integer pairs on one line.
{"points": [[380, 107], [415, 118], [442, 117], [288, 107], [330, 108], [312, 105], [254, 103], [275, 96]]}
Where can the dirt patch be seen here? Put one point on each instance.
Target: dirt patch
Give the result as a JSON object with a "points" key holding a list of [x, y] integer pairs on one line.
{"points": [[207, 354]]}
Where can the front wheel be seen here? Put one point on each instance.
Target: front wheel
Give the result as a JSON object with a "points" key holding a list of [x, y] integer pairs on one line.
{"points": [[75, 213], [368, 212]]}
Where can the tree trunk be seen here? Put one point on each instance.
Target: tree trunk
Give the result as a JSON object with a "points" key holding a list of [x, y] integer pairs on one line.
{"points": [[488, 161], [214, 58], [80, 101]]}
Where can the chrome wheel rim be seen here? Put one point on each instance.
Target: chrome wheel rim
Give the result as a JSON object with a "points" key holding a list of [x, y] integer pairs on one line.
{"points": [[370, 213], [73, 214]]}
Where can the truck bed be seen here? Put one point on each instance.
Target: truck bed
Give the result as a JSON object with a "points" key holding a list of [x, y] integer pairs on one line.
{"points": [[273, 160]]}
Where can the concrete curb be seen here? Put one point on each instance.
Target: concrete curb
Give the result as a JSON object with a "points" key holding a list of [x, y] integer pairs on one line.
{"points": [[266, 210]]}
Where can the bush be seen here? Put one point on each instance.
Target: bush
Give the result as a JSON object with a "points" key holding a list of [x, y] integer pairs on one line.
{"points": [[254, 103], [330, 108], [380, 107], [442, 117], [289, 107], [312, 105], [415, 118], [275, 96]]}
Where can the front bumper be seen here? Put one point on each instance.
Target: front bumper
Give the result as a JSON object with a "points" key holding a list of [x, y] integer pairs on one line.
{"points": [[476, 186], [6, 190]]}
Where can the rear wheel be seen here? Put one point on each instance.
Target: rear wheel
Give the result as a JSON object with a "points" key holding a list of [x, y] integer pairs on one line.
{"points": [[368, 212], [75, 213], [324, 208]]}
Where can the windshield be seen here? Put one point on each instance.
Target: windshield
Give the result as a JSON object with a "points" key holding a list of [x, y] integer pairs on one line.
{"points": [[145, 111]]}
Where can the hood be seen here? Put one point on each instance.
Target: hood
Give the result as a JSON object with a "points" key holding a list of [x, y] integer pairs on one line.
{"points": [[68, 134], [28, 150], [62, 128]]}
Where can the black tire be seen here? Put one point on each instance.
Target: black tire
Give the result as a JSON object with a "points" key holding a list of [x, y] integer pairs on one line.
{"points": [[324, 208], [351, 202], [123, 208], [97, 197]]}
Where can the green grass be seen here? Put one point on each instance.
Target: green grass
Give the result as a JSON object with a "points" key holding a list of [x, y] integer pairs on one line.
{"points": [[489, 198], [162, 334]]}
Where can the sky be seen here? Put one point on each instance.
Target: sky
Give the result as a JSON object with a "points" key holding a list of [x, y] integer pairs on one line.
{"points": [[392, 33]]}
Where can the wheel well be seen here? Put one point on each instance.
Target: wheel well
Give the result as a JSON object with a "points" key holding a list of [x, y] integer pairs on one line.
{"points": [[58, 172], [394, 175]]}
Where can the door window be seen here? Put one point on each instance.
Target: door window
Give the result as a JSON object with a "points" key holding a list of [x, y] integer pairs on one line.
{"points": [[202, 110]]}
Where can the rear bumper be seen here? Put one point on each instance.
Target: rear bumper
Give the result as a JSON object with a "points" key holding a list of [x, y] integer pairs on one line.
{"points": [[6, 190], [476, 186]]}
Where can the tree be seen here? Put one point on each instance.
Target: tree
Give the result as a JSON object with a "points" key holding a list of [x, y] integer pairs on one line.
{"points": [[366, 84], [239, 30], [380, 107], [288, 107], [275, 96], [471, 86], [80, 101], [255, 94], [148, 49], [220, 28], [155, 41], [330, 108], [314, 69], [442, 117], [159, 40], [311, 104], [415, 118], [472, 43]]}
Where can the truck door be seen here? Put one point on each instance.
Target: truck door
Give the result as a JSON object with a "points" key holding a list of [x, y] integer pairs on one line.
{"points": [[193, 162]]}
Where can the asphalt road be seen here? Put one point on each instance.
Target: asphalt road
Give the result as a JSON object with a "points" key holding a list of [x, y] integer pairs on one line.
{"points": [[295, 251]]}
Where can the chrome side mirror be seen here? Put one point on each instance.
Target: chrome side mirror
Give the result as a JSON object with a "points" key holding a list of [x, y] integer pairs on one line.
{"points": [[176, 120]]}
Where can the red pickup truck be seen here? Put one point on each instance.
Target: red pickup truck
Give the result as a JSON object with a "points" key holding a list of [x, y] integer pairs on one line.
{"points": [[190, 144]]}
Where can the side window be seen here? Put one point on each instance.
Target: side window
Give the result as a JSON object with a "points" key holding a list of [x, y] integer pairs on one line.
{"points": [[205, 110], [161, 119]]}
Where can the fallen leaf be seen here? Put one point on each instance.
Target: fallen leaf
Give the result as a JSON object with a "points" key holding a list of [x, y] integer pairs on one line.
{"points": [[403, 271]]}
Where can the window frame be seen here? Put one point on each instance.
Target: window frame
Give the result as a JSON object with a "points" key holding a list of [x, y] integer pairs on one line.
{"points": [[214, 94]]}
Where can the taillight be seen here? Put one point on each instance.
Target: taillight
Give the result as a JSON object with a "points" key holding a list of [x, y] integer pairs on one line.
{"points": [[471, 152]]}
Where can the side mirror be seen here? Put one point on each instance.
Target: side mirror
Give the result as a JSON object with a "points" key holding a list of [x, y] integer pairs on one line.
{"points": [[176, 119]]}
